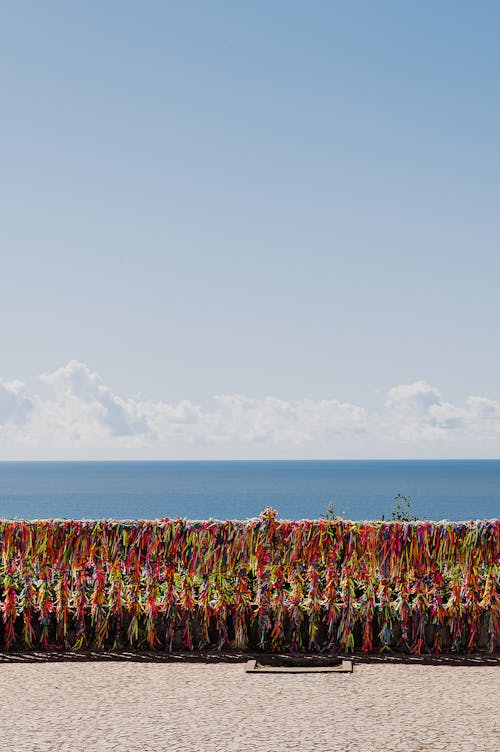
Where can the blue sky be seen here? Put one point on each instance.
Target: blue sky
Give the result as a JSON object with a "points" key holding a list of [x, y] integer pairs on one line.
{"points": [[280, 200]]}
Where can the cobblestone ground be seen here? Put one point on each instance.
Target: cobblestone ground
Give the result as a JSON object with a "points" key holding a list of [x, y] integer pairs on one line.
{"points": [[130, 707]]}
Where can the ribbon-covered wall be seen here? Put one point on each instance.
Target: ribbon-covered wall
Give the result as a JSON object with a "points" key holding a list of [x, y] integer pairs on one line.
{"points": [[264, 584]]}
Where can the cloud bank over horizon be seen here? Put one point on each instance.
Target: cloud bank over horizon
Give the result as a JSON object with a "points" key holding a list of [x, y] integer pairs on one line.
{"points": [[70, 413]]}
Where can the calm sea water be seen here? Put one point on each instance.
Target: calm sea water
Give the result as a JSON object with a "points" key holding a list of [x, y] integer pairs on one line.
{"points": [[451, 489]]}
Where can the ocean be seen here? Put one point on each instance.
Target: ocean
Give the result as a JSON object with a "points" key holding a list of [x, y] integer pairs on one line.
{"points": [[358, 489]]}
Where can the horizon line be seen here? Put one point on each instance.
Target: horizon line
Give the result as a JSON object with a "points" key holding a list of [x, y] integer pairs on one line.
{"points": [[317, 459]]}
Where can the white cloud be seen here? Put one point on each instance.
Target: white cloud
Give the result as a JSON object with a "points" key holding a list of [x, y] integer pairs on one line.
{"points": [[80, 393], [416, 398], [481, 407], [418, 412], [15, 406], [74, 414]]}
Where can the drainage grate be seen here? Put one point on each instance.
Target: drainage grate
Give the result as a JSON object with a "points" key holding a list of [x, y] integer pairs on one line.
{"points": [[288, 665]]}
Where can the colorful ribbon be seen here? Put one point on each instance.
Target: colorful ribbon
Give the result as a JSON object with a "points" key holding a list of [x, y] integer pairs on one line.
{"points": [[268, 584]]}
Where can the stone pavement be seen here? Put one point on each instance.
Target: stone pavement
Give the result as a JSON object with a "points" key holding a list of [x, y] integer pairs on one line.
{"points": [[195, 707]]}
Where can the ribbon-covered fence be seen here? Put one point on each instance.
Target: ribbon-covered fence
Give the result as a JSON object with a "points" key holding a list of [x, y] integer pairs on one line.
{"points": [[263, 584]]}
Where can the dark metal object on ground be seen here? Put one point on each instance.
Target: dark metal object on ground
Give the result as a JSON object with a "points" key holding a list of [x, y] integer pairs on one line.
{"points": [[287, 664]]}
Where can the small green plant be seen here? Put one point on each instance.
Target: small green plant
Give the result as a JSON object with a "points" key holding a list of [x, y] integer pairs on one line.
{"points": [[402, 511], [330, 513]]}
